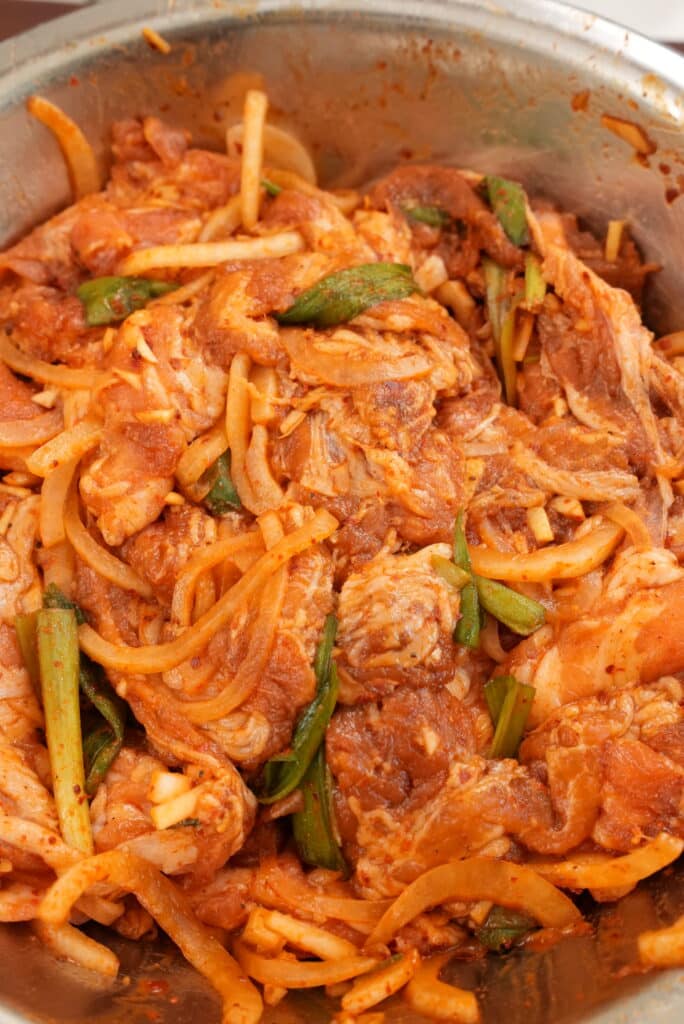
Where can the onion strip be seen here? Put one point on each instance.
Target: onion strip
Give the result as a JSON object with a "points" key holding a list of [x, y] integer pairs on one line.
{"points": [[47, 373], [53, 496], [77, 151], [560, 562], [427, 995], [209, 254], [67, 445], [168, 905], [37, 430], [154, 658], [300, 974], [204, 559], [664, 947], [597, 872], [96, 556], [477, 878], [631, 523], [254, 119], [254, 663], [68, 942]]}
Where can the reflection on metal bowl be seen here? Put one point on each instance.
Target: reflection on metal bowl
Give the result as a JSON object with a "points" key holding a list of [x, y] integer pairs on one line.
{"points": [[523, 89]]}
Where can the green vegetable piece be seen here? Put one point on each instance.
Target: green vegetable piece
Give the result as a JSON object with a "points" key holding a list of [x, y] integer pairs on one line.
{"points": [[25, 626], [450, 573], [503, 928], [271, 187], [222, 496], [323, 657], [535, 285], [506, 360], [495, 692], [313, 827], [187, 823], [512, 719], [507, 200], [105, 739], [460, 544], [109, 299], [58, 655], [520, 613], [433, 216], [284, 772], [501, 313], [340, 297], [54, 598], [467, 630]]}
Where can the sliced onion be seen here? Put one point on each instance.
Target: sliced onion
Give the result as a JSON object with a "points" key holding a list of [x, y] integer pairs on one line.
{"points": [[477, 878]]}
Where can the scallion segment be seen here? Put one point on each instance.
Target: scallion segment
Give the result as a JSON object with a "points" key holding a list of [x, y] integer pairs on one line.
{"points": [[270, 187], [107, 300], [104, 724], [103, 714], [341, 296], [467, 630], [25, 626], [521, 614], [450, 573], [284, 772], [535, 285], [501, 313], [58, 656], [507, 200], [503, 928], [54, 598], [313, 827], [512, 716], [433, 216], [222, 497]]}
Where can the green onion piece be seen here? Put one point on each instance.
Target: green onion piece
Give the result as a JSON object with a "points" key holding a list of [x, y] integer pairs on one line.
{"points": [[460, 544], [495, 692], [503, 928], [535, 285], [284, 772], [323, 657], [507, 200], [497, 295], [313, 827], [54, 598], [25, 626], [57, 639], [506, 358], [104, 739], [433, 216], [222, 496], [501, 313], [271, 187], [187, 823], [520, 613], [512, 720], [340, 297], [467, 630], [450, 573], [109, 299]]}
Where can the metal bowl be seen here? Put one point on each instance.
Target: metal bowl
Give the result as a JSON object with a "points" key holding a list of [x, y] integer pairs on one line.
{"points": [[518, 88]]}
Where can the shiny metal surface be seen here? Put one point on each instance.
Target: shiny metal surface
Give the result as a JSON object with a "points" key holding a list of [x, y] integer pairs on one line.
{"points": [[509, 87]]}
